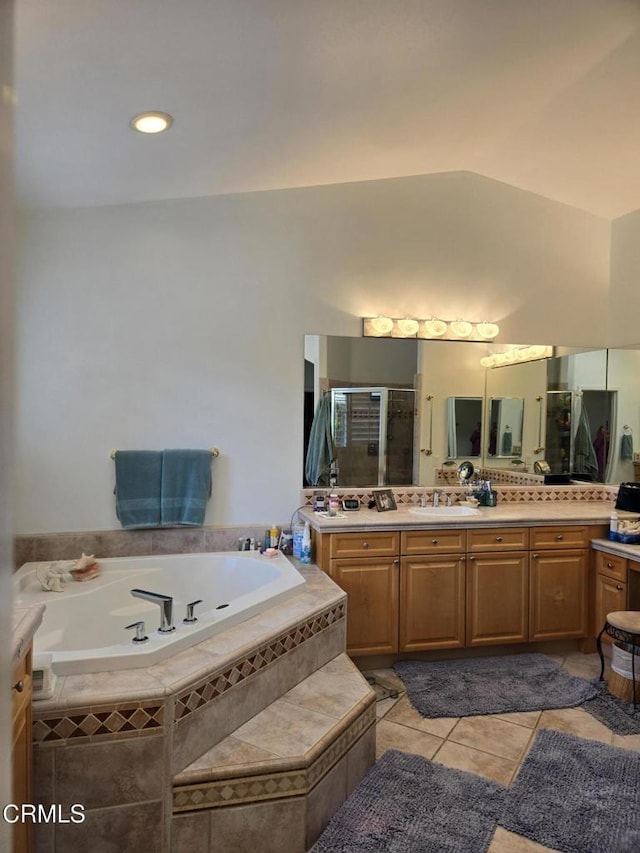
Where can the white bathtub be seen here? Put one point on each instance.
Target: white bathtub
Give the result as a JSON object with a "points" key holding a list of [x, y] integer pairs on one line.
{"points": [[84, 626]]}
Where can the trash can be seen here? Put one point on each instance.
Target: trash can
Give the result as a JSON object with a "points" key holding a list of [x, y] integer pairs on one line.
{"points": [[620, 682]]}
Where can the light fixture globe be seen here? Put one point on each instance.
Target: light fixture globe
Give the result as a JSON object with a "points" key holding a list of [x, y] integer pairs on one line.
{"points": [[381, 325], [487, 330], [435, 328], [461, 328], [407, 327]]}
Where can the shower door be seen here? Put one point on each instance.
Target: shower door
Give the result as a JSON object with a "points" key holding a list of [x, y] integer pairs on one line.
{"points": [[372, 431]]}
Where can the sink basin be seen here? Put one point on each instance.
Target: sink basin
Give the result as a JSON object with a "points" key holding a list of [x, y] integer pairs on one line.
{"points": [[444, 511]]}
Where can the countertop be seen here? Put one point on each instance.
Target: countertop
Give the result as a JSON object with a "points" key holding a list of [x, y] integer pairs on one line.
{"points": [[508, 513], [26, 621], [631, 552]]}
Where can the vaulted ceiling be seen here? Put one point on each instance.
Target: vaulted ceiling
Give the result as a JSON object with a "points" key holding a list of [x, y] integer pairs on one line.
{"points": [[267, 94]]}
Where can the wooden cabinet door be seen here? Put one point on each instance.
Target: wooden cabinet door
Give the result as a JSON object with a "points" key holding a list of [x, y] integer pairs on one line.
{"points": [[558, 594], [372, 604], [432, 602], [497, 598], [611, 596]]}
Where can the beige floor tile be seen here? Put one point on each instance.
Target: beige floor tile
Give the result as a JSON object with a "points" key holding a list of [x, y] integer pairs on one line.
{"points": [[583, 666], [488, 734], [387, 677], [393, 736], [575, 721], [383, 706], [474, 761], [405, 714], [529, 719], [509, 842], [627, 742]]}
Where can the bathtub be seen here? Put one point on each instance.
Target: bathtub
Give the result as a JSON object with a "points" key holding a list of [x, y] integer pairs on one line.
{"points": [[83, 629]]}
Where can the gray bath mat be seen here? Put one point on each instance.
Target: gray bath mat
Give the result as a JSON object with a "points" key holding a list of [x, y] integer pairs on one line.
{"points": [[492, 685], [407, 804], [576, 795], [619, 716]]}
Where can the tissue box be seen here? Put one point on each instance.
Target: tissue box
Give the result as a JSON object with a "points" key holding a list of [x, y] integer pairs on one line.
{"points": [[626, 538]]}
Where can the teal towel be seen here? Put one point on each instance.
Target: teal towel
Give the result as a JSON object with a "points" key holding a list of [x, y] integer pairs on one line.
{"points": [[626, 446], [320, 452], [186, 487], [138, 479]]}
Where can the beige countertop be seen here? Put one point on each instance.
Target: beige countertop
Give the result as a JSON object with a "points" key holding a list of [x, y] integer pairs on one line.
{"points": [[631, 552], [507, 513], [26, 621]]}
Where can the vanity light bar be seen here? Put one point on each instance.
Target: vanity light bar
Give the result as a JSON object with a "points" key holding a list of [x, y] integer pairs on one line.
{"points": [[517, 356], [430, 329]]}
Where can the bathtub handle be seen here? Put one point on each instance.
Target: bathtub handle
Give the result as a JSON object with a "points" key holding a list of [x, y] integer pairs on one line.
{"points": [[140, 636], [190, 618]]}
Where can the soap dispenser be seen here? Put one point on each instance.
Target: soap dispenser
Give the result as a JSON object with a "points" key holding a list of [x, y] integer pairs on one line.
{"points": [[305, 551]]}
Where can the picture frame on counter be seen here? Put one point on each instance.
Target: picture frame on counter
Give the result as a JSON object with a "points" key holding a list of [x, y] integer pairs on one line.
{"points": [[384, 500]]}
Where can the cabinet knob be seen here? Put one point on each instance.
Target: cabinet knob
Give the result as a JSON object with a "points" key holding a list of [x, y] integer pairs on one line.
{"points": [[559, 537], [365, 544], [619, 587], [498, 538], [535, 556], [19, 686], [472, 558], [434, 541], [609, 565]]}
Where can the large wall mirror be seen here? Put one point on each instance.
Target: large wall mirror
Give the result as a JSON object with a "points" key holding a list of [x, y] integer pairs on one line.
{"points": [[572, 410]]}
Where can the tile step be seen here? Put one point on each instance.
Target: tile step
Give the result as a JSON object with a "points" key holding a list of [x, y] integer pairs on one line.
{"points": [[285, 749]]}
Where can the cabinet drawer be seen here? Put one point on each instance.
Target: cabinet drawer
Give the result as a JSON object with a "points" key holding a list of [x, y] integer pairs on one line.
{"points": [[498, 539], [443, 541], [376, 544], [611, 565], [560, 537]]}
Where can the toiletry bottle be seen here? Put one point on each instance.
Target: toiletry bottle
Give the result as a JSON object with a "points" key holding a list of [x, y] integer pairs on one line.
{"points": [[305, 552], [298, 533], [613, 522], [274, 536], [334, 504]]}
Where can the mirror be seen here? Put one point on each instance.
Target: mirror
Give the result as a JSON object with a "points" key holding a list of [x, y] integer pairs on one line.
{"points": [[443, 372], [464, 426], [506, 417]]}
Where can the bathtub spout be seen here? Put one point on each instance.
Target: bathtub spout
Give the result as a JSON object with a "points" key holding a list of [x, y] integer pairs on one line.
{"points": [[165, 602]]}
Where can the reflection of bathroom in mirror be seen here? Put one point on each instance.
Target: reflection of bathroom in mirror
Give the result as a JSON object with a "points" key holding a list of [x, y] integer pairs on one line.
{"points": [[464, 427], [439, 370], [505, 421]]}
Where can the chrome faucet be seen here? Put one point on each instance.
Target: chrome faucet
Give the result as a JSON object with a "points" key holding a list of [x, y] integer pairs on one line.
{"points": [[165, 602], [438, 493]]}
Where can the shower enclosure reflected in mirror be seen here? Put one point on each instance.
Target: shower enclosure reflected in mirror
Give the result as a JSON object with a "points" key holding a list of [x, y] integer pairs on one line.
{"points": [[464, 427], [506, 416]]}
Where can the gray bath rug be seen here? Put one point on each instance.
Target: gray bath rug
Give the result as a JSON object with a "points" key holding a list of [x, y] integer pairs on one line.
{"points": [[576, 795], [491, 685], [407, 804], [619, 716]]}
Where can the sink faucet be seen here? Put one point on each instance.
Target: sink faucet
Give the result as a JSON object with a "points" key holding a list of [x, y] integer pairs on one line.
{"points": [[165, 603], [438, 493]]}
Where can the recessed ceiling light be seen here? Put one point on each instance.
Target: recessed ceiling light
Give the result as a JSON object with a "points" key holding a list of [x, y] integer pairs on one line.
{"points": [[152, 122]]}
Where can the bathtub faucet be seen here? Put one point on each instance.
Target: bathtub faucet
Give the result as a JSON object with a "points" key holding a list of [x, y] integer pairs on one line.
{"points": [[165, 602]]}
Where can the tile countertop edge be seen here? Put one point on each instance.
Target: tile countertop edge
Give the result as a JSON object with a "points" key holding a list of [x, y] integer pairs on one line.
{"points": [[26, 621], [508, 514]]}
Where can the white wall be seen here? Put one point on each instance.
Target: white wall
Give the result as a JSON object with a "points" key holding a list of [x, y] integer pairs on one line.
{"points": [[181, 323], [623, 377]]}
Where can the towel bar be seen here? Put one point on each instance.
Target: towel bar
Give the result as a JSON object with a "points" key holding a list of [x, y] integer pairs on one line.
{"points": [[214, 452]]}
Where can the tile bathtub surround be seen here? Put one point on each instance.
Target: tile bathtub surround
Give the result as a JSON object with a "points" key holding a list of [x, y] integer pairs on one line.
{"points": [[99, 745]]}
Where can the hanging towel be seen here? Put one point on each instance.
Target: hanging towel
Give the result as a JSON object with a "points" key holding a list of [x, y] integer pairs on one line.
{"points": [[507, 438], [185, 488], [320, 452], [584, 457], [626, 446], [138, 480]]}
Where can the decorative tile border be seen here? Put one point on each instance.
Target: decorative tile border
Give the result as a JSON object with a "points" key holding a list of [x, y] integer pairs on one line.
{"points": [[97, 724], [218, 683], [271, 786], [408, 495]]}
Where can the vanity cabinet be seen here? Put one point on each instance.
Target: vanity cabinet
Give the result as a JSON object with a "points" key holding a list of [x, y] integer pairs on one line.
{"points": [[559, 582], [611, 588], [21, 756], [432, 577], [420, 590]]}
